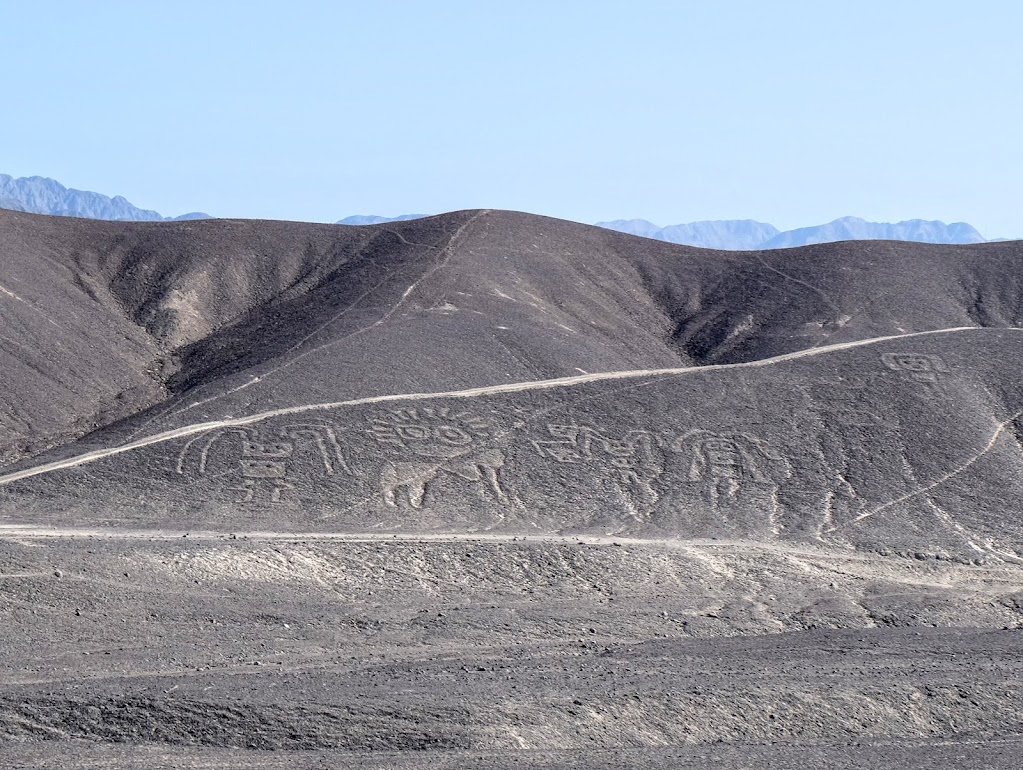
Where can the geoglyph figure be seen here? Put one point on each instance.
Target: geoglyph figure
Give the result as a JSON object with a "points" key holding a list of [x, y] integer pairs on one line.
{"points": [[444, 444], [727, 464], [922, 367], [264, 466], [632, 457]]}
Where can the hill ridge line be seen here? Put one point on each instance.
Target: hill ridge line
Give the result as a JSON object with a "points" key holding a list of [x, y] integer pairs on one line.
{"points": [[486, 390]]}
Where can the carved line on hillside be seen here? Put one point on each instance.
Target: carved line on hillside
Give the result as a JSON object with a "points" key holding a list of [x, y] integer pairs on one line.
{"points": [[264, 463], [442, 443], [8, 293], [811, 287], [999, 430], [561, 382]]}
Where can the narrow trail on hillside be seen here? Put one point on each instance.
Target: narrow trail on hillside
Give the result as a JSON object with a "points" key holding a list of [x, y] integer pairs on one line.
{"points": [[28, 532]]}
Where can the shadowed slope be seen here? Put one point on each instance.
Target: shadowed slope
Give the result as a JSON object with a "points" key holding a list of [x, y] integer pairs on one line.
{"points": [[106, 320], [183, 306], [745, 306]]}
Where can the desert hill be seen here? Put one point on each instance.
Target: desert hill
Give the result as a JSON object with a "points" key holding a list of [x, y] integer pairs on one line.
{"points": [[490, 489], [841, 379], [287, 313]]}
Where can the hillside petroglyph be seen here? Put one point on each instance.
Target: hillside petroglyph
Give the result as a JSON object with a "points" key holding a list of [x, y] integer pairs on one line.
{"points": [[635, 458], [264, 466], [444, 444], [922, 367], [733, 467], [326, 442], [430, 432], [408, 481], [251, 490]]}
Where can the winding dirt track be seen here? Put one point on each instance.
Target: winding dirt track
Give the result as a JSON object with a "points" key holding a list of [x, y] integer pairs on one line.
{"points": [[20, 532]]}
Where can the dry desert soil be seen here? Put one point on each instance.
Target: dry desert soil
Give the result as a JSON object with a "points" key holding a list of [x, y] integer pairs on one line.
{"points": [[493, 490]]}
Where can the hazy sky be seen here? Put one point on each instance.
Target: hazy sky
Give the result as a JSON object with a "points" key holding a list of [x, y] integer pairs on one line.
{"points": [[793, 113]]}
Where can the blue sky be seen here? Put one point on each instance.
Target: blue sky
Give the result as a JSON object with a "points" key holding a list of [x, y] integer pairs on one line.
{"points": [[793, 113]]}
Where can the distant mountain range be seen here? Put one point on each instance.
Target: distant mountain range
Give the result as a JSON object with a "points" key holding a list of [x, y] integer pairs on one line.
{"points": [[748, 234], [371, 219], [38, 195], [725, 234], [742, 234]]}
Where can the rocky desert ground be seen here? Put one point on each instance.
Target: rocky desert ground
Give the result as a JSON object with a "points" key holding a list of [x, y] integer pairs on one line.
{"points": [[491, 490]]}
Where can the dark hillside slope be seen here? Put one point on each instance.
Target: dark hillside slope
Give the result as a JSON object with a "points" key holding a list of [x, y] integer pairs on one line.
{"points": [[502, 298], [909, 443], [152, 309], [511, 297], [70, 358], [97, 312], [744, 306], [189, 321]]}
